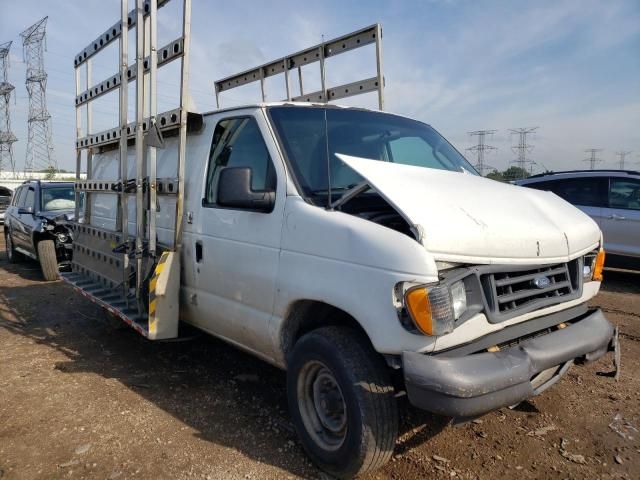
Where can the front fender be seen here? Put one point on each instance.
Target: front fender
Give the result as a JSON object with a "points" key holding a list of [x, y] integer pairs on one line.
{"points": [[351, 264]]}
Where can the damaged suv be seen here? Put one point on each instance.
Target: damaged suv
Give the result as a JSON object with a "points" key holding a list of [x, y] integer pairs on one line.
{"points": [[37, 225]]}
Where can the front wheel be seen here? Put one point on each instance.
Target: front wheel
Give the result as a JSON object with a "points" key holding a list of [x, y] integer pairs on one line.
{"points": [[342, 401], [48, 260]]}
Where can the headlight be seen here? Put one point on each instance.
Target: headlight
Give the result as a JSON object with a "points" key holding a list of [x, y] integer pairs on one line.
{"points": [[458, 299], [62, 237], [434, 310]]}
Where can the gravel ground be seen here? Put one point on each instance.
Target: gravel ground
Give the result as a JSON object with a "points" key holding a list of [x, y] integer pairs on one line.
{"points": [[82, 396]]}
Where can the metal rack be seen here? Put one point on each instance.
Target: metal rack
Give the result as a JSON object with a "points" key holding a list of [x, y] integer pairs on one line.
{"points": [[318, 53], [116, 268]]}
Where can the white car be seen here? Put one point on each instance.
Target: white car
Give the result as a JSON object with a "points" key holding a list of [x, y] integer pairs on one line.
{"points": [[611, 198]]}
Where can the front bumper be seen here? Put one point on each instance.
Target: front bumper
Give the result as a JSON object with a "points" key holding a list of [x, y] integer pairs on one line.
{"points": [[472, 385]]}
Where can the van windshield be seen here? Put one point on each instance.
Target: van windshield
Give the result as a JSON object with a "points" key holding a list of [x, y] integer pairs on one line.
{"points": [[360, 133]]}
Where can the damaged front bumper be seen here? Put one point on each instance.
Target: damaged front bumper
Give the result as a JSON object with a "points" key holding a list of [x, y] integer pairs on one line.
{"points": [[471, 385]]}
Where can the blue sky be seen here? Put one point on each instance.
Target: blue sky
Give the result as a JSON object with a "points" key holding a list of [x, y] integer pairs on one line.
{"points": [[571, 68]]}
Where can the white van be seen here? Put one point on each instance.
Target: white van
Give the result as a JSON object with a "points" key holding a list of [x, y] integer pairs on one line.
{"points": [[360, 251], [356, 249]]}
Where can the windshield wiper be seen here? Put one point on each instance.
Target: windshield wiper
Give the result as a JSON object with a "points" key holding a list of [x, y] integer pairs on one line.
{"points": [[351, 193]]}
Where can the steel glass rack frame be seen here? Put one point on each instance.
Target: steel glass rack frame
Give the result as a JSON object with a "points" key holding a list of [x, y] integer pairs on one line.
{"points": [[318, 53], [120, 269]]}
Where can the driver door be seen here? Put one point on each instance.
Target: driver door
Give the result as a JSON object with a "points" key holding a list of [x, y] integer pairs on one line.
{"points": [[236, 251]]}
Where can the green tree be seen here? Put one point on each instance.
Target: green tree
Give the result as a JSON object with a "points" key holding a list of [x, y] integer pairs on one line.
{"points": [[515, 173], [495, 175], [50, 172]]}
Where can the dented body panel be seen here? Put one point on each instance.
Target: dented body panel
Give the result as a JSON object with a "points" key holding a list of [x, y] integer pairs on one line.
{"points": [[475, 220]]}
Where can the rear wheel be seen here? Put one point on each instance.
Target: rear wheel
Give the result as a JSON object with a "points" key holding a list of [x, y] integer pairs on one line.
{"points": [[342, 401], [48, 260], [12, 255]]}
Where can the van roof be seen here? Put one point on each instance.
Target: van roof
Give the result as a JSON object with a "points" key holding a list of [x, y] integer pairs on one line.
{"points": [[302, 105]]}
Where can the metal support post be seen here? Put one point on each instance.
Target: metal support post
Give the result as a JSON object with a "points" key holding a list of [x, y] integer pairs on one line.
{"points": [[123, 170], [379, 72], [153, 107], [78, 150], [184, 91], [139, 148]]}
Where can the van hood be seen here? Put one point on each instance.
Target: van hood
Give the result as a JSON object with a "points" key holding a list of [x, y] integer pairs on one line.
{"points": [[461, 217]]}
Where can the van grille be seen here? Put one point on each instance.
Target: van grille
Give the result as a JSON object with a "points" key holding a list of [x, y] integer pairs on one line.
{"points": [[514, 292]]}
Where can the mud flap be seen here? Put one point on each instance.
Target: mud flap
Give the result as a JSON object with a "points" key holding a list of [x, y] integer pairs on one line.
{"points": [[164, 289]]}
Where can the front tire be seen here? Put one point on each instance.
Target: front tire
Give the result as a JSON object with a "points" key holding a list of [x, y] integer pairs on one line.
{"points": [[48, 260], [342, 402], [12, 255]]}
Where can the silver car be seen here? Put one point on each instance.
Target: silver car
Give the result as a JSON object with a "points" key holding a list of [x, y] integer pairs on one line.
{"points": [[611, 198]]}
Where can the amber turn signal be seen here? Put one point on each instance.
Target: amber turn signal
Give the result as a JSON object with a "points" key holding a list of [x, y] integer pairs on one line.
{"points": [[597, 270], [417, 301]]}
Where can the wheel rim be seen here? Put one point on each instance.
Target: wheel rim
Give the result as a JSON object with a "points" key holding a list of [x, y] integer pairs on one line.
{"points": [[322, 406]]}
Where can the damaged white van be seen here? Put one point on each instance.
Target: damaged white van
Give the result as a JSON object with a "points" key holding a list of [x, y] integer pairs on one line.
{"points": [[362, 253], [356, 249]]}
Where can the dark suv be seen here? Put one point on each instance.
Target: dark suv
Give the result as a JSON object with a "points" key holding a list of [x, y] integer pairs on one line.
{"points": [[37, 225]]}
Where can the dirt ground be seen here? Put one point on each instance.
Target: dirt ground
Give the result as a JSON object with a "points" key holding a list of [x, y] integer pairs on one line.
{"points": [[84, 397]]}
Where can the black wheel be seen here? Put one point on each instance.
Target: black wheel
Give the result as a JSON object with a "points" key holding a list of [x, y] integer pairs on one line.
{"points": [[12, 255], [48, 260], [342, 401]]}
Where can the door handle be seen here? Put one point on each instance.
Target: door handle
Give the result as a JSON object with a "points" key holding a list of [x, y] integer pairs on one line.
{"points": [[617, 217], [198, 251]]}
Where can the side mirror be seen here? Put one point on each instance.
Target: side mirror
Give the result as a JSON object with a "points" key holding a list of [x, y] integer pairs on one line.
{"points": [[25, 210], [234, 191]]}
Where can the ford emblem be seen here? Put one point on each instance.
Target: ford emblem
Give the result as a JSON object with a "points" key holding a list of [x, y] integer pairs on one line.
{"points": [[541, 282]]}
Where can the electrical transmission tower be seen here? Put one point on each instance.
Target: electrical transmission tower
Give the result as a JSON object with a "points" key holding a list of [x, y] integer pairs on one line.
{"points": [[622, 155], [481, 148], [593, 158], [39, 144], [522, 148], [7, 138]]}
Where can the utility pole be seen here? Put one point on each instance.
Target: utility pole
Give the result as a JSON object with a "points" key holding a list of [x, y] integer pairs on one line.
{"points": [[522, 148], [622, 155], [481, 148], [7, 138], [592, 159], [39, 143]]}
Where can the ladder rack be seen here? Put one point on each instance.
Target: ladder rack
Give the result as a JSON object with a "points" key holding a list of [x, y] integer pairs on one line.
{"points": [[129, 272], [318, 53]]}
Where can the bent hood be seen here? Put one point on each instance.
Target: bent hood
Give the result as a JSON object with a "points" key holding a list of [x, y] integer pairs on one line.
{"points": [[460, 217]]}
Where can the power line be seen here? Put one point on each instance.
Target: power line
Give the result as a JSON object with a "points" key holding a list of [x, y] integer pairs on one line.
{"points": [[592, 159], [39, 144], [481, 148], [622, 155], [7, 138], [522, 148]]}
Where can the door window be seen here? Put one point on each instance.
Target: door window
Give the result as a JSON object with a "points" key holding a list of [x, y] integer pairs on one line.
{"points": [[16, 197], [237, 142], [588, 192], [30, 198], [624, 193], [22, 195]]}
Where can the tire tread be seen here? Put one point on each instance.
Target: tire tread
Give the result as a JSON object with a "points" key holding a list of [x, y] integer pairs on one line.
{"points": [[48, 260]]}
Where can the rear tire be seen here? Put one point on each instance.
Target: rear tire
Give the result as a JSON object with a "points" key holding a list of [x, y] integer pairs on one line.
{"points": [[342, 401], [48, 260], [12, 255]]}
